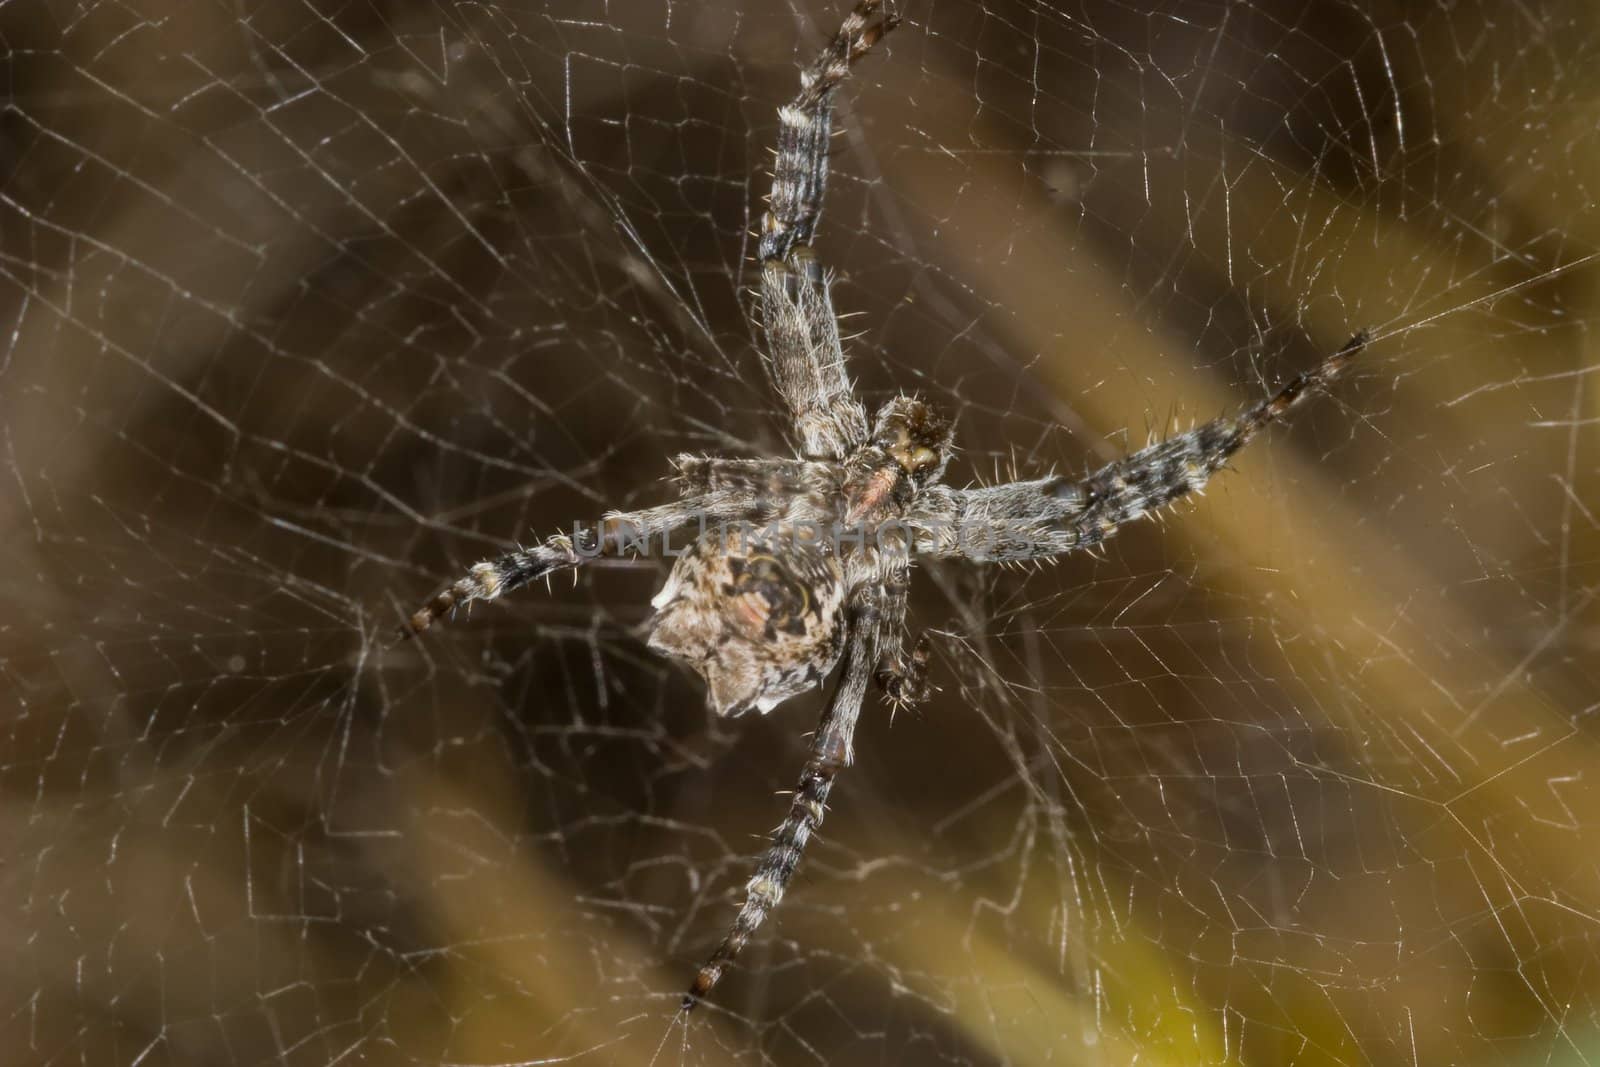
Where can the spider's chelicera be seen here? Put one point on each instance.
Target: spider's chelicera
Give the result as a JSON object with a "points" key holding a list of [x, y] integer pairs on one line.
{"points": [[803, 563]]}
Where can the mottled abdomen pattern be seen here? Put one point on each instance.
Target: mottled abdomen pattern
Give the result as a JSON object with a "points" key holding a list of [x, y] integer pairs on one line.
{"points": [[758, 617]]}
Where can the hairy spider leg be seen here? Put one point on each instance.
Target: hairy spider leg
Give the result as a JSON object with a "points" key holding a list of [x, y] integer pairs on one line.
{"points": [[1050, 516], [763, 481], [806, 356], [831, 752], [1154, 477], [618, 532], [800, 176], [902, 676]]}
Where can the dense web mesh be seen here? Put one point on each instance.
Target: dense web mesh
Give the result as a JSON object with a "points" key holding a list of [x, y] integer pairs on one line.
{"points": [[305, 307]]}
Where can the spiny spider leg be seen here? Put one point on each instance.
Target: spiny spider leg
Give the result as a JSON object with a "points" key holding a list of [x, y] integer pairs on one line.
{"points": [[800, 175], [901, 676], [618, 532], [905, 680], [831, 752], [768, 480], [1050, 516], [1154, 477], [803, 346]]}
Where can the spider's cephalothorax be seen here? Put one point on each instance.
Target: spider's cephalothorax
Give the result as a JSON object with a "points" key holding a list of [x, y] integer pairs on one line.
{"points": [[803, 563], [908, 450]]}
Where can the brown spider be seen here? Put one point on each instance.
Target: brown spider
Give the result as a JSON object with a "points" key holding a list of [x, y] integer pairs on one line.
{"points": [[805, 561]]}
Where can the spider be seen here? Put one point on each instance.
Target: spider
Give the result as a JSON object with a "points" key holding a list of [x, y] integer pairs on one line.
{"points": [[765, 614]]}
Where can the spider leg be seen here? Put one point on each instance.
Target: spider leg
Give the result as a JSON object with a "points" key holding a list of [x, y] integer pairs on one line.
{"points": [[807, 357], [758, 483], [831, 752], [1050, 516], [618, 532], [800, 176], [904, 679], [902, 676]]}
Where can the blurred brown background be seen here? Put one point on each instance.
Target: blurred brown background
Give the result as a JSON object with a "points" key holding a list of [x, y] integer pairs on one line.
{"points": [[303, 308]]}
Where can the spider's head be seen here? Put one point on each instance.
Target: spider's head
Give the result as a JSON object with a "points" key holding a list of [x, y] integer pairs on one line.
{"points": [[916, 436]]}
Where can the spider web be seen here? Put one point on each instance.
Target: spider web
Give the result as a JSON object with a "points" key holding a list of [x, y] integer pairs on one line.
{"points": [[306, 307]]}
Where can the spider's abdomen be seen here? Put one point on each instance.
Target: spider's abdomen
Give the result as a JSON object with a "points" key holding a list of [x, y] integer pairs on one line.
{"points": [[760, 618]]}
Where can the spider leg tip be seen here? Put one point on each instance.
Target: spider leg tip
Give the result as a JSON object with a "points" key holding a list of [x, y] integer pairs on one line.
{"points": [[703, 981]]}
